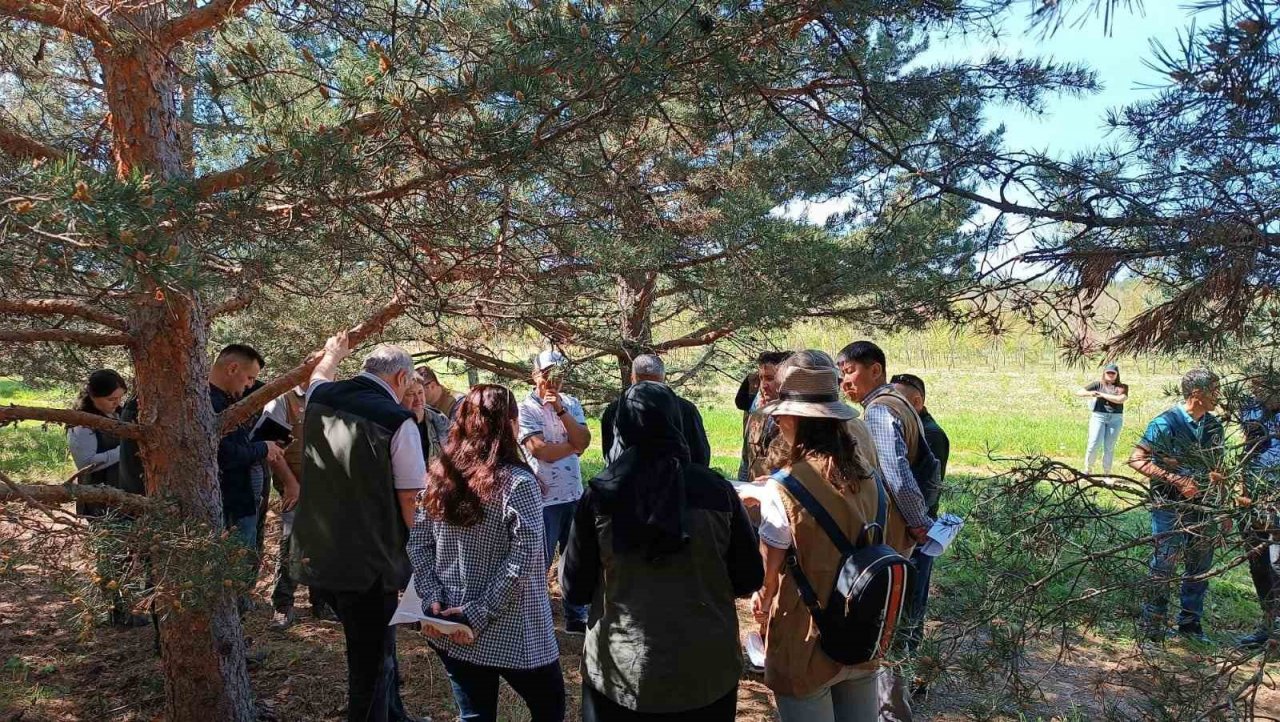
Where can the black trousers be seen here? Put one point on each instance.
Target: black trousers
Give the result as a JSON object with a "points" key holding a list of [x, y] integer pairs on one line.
{"points": [[373, 685], [1264, 569], [598, 708]]}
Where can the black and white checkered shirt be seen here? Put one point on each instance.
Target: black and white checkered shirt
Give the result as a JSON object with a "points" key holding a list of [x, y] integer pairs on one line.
{"points": [[495, 572]]}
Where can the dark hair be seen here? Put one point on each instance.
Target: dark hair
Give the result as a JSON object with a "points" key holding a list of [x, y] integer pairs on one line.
{"points": [[1200, 379], [101, 383], [911, 380], [465, 475], [241, 352], [862, 352], [427, 375], [827, 440], [772, 358]]}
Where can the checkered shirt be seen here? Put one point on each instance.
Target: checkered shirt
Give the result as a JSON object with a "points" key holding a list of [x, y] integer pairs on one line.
{"points": [[891, 450], [494, 571]]}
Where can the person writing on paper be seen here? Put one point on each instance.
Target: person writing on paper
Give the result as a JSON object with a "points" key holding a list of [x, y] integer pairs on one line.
{"points": [[660, 547], [818, 450], [477, 554]]}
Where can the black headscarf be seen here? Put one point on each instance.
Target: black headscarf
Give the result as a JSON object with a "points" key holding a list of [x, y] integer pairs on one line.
{"points": [[643, 488]]}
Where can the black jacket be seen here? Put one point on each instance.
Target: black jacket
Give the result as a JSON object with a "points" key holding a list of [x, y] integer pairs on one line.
{"points": [[236, 456], [690, 419]]}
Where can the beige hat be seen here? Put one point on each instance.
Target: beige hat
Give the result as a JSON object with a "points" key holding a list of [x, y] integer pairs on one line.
{"points": [[809, 392]]}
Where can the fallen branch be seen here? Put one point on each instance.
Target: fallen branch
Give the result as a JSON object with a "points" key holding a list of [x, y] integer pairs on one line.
{"points": [[115, 427], [240, 411]]}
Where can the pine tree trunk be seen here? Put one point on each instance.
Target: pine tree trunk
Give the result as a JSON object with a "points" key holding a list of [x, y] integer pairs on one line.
{"points": [[202, 648]]}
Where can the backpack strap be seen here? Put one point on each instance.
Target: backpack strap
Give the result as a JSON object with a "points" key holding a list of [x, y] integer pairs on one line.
{"points": [[816, 510], [882, 509]]}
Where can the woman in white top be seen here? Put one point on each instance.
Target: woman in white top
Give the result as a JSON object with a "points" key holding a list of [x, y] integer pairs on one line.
{"points": [[98, 451]]}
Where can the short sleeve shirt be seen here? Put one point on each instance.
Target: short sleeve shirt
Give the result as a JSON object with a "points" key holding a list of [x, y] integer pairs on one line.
{"points": [[563, 478], [1103, 406], [775, 527], [1193, 457]]}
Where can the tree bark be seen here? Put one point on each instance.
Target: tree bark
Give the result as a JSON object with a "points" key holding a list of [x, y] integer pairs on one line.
{"points": [[202, 648]]}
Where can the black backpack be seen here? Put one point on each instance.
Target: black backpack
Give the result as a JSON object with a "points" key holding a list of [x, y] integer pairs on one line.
{"points": [[865, 603]]}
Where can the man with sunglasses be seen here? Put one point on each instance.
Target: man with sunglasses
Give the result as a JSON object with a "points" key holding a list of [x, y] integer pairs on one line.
{"points": [[553, 432]]}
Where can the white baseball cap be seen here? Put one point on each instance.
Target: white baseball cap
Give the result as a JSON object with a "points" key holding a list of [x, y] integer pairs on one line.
{"points": [[547, 359]]}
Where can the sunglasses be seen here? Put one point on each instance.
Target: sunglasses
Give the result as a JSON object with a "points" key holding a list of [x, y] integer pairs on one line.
{"points": [[906, 381]]}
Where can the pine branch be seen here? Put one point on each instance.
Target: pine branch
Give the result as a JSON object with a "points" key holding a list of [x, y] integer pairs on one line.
{"points": [[238, 412], [17, 145], [238, 302], [42, 496], [59, 335], [119, 429], [60, 307], [701, 337], [205, 17], [52, 13], [491, 364]]}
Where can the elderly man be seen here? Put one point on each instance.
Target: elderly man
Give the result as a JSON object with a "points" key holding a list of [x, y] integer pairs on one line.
{"points": [[362, 470], [648, 367], [1181, 453], [553, 430]]}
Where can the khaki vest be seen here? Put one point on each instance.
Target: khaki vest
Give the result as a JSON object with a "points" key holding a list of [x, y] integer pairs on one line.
{"points": [[757, 445], [912, 429], [794, 664], [294, 409]]}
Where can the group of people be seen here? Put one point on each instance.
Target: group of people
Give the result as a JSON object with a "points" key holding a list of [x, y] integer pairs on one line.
{"points": [[389, 476]]}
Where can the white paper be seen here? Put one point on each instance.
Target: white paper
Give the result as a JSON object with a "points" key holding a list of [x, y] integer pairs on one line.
{"points": [[755, 650], [943, 532], [410, 611]]}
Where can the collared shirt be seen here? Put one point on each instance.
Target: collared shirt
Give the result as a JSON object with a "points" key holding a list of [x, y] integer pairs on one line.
{"points": [[408, 464], [564, 477], [1262, 437], [494, 572], [891, 450]]}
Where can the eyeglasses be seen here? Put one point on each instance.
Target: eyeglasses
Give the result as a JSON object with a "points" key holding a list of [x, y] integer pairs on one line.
{"points": [[906, 381]]}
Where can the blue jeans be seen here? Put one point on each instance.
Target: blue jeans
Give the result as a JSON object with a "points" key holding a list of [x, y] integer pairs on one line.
{"points": [[475, 690], [245, 529], [917, 599], [1174, 543], [1104, 430], [557, 520]]}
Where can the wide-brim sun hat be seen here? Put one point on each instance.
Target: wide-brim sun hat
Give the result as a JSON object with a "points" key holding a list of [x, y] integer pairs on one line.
{"points": [[811, 393]]}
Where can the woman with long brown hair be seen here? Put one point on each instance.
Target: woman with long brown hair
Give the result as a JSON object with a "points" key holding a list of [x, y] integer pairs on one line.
{"points": [[476, 549], [818, 446]]}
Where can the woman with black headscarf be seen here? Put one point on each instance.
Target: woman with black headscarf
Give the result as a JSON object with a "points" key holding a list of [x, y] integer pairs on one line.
{"points": [[660, 548]]}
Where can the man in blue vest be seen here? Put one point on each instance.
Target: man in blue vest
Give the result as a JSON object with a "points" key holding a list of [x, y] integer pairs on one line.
{"points": [[362, 471], [1181, 453]]}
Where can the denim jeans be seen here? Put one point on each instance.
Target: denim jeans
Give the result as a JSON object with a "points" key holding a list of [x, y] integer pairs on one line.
{"points": [[558, 520], [917, 599], [245, 529], [475, 689], [1175, 541], [850, 697], [1104, 430]]}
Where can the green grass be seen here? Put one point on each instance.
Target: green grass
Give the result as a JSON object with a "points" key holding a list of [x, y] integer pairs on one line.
{"points": [[31, 451]]}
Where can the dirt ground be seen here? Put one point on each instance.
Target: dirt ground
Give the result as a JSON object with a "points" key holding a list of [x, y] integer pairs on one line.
{"points": [[55, 669]]}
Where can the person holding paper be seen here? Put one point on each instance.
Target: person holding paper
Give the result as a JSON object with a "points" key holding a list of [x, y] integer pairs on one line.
{"points": [[660, 547], [477, 554]]}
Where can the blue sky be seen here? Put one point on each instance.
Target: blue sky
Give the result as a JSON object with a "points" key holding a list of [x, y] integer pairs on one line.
{"points": [[1119, 59]]}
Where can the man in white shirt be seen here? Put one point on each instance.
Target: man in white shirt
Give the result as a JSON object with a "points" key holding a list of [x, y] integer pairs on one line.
{"points": [[553, 431]]}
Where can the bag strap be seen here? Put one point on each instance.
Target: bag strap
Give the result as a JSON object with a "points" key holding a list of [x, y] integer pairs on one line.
{"points": [[816, 510], [882, 505]]}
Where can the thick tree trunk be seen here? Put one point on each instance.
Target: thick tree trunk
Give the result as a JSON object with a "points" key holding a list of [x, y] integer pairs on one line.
{"points": [[202, 648], [635, 303]]}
